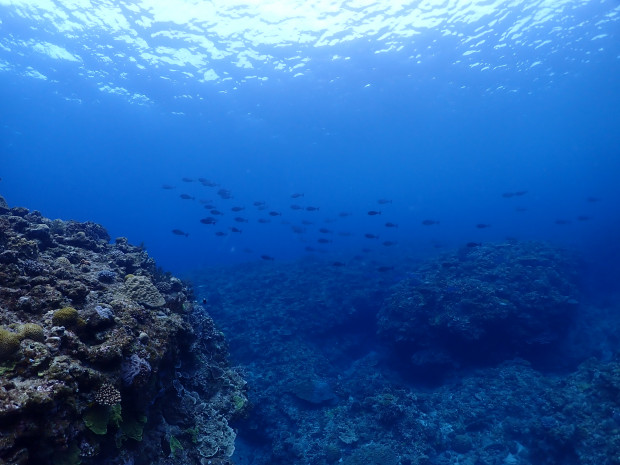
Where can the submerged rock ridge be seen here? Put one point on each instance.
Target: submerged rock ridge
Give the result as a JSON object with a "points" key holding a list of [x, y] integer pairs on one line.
{"points": [[103, 357], [483, 304]]}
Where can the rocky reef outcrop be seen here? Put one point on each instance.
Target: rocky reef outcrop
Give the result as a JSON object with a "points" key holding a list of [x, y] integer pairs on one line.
{"points": [[483, 303], [103, 357]]}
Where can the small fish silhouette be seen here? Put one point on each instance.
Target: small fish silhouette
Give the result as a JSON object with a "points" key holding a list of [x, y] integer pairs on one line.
{"points": [[187, 197], [178, 232], [267, 257], [391, 225], [312, 209], [297, 195], [483, 225], [373, 213]]}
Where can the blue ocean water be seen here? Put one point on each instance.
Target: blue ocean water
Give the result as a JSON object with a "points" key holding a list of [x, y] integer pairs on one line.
{"points": [[438, 107]]}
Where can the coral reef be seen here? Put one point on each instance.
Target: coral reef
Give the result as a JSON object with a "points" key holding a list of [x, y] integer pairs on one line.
{"points": [[96, 368], [490, 302], [327, 389]]}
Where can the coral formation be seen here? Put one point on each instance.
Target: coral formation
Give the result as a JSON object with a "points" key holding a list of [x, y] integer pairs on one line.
{"points": [[88, 361], [327, 389]]}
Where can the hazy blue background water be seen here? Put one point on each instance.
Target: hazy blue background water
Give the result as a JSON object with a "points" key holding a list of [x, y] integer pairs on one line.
{"points": [[440, 107]]}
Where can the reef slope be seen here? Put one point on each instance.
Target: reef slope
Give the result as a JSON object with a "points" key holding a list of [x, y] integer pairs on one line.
{"points": [[103, 357]]}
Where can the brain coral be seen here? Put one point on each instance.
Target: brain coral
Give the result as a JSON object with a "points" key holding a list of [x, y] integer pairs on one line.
{"points": [[9, 343], [141, 290], [65, 316]]}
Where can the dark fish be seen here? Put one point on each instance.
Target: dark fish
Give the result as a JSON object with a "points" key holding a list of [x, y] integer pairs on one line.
{"points": [[187, 180], [344, 214], [259, 203], [383, 269], [483, 225], [208, 220], [562, 222], [275, 214], [371, 236], [235, 230], [473, 244], [323, 241], [507, 195], [187, 197], [237, 209], [298, 229], [264, 220], [221, 233], [297, 195], [312, 209], [216, 212], [238, 219], [325, 231], [373, 213], [296, 207], [178, 232], [584, 218], [307, 223], [167, 186], [593, 199], [391, 225], [520, 193], [337, 264], [389, 243], [383, 201], [267, 257], [225, 193], [210, 206], [207, 183], [429, 222]]}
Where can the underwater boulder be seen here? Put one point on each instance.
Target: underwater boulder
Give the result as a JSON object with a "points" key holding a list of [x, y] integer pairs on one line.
{"points": [[483, 304]]}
